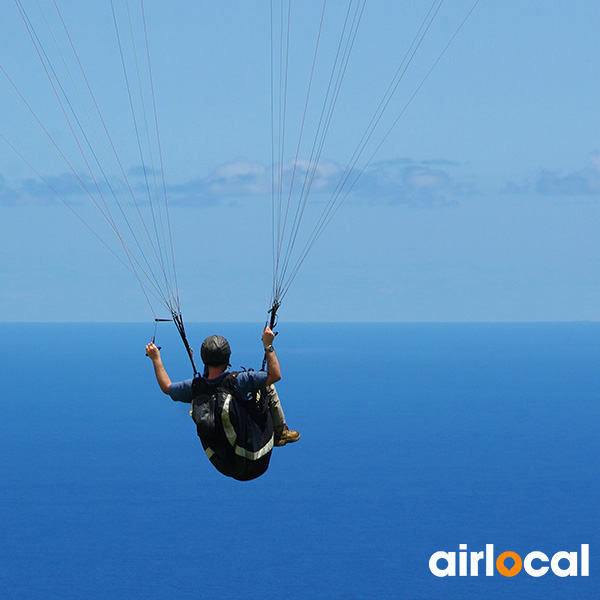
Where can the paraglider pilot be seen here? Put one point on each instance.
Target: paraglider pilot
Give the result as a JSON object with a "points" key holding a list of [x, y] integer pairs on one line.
{"points": [[247, 388]]}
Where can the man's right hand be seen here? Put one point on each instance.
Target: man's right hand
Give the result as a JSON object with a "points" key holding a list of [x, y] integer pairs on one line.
{"points": [[152, 352]]}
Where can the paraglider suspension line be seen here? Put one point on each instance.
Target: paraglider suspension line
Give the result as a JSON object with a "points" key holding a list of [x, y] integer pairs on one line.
{"points": [[178, 320]]}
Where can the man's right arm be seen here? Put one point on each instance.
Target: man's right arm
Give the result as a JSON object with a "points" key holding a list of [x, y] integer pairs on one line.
{"points": [[164, 381], [181, 391]]}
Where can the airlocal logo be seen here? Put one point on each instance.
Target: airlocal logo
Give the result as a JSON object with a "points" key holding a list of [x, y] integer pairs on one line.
{"points": [[510, 563]]}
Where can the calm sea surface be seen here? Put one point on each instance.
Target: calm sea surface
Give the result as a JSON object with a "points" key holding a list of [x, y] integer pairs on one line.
{"points": [[415, 439]]}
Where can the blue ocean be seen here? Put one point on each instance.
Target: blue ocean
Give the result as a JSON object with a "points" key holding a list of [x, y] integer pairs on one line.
{"points": [[416, 438]]}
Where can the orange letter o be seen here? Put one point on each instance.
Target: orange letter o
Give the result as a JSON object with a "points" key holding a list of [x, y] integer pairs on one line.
{"points": [[514, 569]]}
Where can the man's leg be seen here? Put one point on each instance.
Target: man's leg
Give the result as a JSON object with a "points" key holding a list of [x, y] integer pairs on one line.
{"points": [[276, 410], [283, 435]]}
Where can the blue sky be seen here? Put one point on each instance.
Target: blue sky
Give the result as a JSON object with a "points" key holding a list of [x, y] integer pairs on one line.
{"points": [[482, 204]]}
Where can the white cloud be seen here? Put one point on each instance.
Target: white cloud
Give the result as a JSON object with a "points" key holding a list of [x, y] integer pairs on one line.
{"points": [[426, 182], [514, 188], [325, 175], [402, 180], [551, 182], [425, 178], [594, 160], [241, 177], [580, 183]]}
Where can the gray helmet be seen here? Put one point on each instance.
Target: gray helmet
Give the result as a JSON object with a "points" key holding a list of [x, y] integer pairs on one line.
{"points": [[215, 351]]}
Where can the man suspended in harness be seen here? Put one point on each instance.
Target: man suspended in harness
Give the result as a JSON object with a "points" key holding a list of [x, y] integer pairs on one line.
{"points": [[238, 415]]}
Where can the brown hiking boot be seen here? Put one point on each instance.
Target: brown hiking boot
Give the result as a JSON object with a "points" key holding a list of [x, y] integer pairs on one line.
{"points": [[287, 436]]}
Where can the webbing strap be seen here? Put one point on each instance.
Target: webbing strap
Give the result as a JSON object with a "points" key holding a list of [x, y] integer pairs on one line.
{"points": [[272, 322]]}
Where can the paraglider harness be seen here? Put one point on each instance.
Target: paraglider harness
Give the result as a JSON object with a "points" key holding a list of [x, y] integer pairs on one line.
{"points": [[237, 436]]}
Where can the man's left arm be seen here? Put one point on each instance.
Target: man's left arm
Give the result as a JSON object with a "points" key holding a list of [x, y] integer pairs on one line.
{"points": [[273, 368]]}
